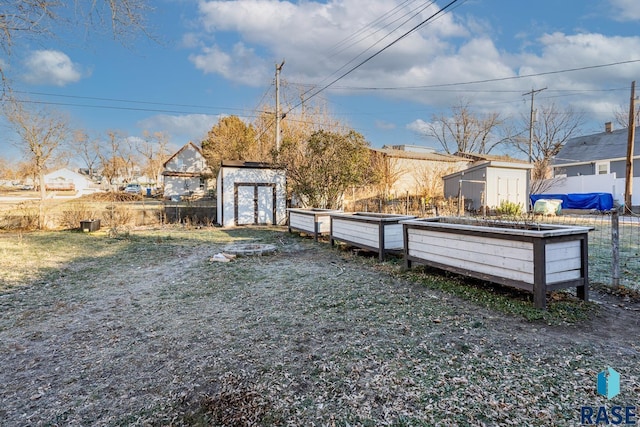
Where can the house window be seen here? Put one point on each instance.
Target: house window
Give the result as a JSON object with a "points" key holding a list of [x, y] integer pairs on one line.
{"points": [[602, 168]]}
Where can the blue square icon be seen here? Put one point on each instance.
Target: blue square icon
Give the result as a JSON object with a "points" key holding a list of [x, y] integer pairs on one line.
{"points": [[608, 383]]}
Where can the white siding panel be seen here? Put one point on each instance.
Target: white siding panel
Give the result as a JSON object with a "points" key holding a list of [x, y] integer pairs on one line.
{"points": [[563, 261], [393, 238], [498, 257], [511, 249], [301, 222], [472, 265], [357, 232], [563, 275], [324, 224]]}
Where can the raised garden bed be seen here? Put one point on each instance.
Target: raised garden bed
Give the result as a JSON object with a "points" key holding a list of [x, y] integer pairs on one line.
{"points": [[375, 232], [312, 221], [534, 257]]}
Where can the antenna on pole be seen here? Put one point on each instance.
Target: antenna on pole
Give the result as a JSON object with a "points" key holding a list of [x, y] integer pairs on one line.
{"points": [[278, 115]]}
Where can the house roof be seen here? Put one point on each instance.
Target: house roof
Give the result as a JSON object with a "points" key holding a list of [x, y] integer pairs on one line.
{"points": [[599, 146], [184, 147], [405, 154]]}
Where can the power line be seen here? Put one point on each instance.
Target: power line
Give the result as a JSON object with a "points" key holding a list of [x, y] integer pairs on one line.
{"points": [[498, 79], [406, 34]]}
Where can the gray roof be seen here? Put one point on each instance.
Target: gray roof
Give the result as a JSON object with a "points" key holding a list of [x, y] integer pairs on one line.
{"points": [[599, 146]]}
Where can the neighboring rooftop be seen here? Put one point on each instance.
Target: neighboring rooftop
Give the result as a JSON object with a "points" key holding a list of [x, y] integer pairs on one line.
{"points": [[600, 146]]}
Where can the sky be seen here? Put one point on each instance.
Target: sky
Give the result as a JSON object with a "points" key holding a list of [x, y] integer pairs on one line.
{"points": [[385, 68]]}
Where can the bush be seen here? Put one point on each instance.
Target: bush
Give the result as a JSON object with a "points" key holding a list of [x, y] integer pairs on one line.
{"points": [[508, 208], [74, 213]]}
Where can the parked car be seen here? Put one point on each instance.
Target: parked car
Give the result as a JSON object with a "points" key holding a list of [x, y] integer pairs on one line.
{"points": [[133, 189]]}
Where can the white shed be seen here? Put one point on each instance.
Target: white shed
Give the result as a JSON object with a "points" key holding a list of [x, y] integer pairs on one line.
{"points": [[251, 193], [488, 183]]}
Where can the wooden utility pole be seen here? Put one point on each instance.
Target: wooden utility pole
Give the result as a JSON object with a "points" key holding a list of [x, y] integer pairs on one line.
{"points": [[628, 187], [278, 115], [531, 120]]}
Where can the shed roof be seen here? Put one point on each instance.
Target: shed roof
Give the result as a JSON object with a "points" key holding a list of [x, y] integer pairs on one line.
{"points": [[599, 146], [491, 164], [245, 164]]}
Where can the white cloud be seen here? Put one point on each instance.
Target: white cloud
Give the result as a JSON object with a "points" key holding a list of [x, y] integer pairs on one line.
{"points": [[322, 40], [626, 10], [51, 67], [315, 39], [181, 129], [240, 65], [418, 126]]}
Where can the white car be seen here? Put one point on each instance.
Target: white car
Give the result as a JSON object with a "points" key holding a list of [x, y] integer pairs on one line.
{"points": [[133, 189]]}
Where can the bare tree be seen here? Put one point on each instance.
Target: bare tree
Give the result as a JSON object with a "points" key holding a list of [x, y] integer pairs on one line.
{"points": [[465, 132], [385, 172], [114, 158], [87, 150], [429, 179], [621, 116], [552, 128], [153, 149], [42, 134]]}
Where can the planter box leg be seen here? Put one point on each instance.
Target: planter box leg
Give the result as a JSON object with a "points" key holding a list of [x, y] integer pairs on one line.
{"points": [[583, 292], [540, 296]]}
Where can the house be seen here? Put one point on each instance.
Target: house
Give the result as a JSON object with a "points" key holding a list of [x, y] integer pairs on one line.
{"points": [[597, 154], [67, 180], [251, 193], [487, 183], [414, 169], [186, 173]]}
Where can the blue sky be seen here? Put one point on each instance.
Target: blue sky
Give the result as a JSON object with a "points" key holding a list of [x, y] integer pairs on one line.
{"points": [[214, 58]]}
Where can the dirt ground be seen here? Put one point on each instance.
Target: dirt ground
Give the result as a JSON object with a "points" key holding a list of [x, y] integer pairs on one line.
{"points": [[308, 336]]}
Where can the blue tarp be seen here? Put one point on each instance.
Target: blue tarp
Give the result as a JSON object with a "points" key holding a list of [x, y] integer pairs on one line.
{"points": [[599, 201]]}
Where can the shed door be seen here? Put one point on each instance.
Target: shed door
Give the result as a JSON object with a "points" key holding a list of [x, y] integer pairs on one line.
{"points": [[255, 203], [508, 190]]}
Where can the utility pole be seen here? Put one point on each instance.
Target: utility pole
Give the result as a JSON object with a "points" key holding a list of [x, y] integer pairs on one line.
{"points": [[531, 120], [278, 115], [630, 149]]}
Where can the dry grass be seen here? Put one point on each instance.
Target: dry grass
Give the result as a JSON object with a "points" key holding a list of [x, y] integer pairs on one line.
{"points": [[146, 330]]}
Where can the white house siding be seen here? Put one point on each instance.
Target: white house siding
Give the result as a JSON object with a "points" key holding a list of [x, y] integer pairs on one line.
{"points": [[184, 172], [563, 261], [247, 179], [181, 185], [509, 259]]}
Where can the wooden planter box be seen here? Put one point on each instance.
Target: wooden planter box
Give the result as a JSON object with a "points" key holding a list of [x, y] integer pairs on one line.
{"points": [[313, 221], [90, 225], [375, 232], [534, 257]]}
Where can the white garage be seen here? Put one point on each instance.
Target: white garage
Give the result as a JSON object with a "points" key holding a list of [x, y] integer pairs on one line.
{"points": [[251, 193]]}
